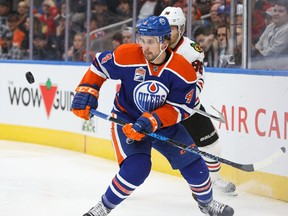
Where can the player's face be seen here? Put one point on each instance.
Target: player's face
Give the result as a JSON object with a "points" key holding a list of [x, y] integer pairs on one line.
{"points": [[150, 47], [174, 34]]}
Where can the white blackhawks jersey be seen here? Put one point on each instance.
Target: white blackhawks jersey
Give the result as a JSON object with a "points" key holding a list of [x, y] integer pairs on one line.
{"points": [[195, 55]]}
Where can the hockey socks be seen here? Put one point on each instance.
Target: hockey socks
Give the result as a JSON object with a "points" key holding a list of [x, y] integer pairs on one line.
{"points": [[197, 176], [133, 172]]}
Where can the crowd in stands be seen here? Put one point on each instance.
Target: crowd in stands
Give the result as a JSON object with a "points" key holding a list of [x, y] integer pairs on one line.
{"points": [[210, 19]]}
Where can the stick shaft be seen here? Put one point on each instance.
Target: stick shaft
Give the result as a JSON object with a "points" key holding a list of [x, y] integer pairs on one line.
{"points": [[244, 167]]}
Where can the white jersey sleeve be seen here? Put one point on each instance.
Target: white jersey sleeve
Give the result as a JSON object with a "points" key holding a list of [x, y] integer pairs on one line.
{"points": [[195, 55]]}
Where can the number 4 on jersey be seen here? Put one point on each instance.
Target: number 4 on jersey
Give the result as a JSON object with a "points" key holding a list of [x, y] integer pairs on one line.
{"points": [[189, 96]]}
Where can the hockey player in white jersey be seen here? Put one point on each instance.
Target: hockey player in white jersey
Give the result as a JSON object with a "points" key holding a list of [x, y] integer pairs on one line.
{"points": [[156, 94], [199, 127]]}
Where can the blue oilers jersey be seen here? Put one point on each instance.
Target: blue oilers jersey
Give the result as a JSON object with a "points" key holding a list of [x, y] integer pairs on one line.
{"points": [[167, 89]]}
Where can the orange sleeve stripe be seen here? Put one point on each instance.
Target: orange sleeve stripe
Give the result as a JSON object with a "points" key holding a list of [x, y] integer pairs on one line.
{"points": [[119, 156], [119, 106], [167, 114]]}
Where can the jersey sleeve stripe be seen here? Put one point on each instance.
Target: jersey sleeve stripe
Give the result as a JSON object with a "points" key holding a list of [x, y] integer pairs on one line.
{"points": [[103, 69]]}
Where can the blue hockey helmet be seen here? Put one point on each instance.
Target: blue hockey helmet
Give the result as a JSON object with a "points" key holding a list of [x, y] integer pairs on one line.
{"points": [[155, 26]]}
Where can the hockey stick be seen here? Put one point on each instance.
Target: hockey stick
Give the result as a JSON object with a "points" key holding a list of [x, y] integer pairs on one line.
{"points": [[220, 118], [244, 167]]}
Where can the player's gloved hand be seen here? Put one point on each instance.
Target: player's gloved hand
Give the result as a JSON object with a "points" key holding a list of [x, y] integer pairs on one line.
{"points": [[86, 97], [131, 133], [147, 122]]}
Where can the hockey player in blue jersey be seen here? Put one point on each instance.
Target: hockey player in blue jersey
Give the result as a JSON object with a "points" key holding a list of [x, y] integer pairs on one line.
{"points": [[199, 127], [156, 94]]}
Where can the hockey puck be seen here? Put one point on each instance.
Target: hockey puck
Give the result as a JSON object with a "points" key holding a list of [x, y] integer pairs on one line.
{"points": [[30, 77]]}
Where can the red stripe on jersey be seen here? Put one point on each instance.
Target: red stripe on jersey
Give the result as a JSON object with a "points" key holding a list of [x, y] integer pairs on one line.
{"points": [[117, 184], [213, 167], [201, 189]]}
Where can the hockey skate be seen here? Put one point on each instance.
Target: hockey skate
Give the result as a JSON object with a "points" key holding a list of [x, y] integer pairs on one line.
{"points": [[98, 210], [225, 186], [215, 208]]}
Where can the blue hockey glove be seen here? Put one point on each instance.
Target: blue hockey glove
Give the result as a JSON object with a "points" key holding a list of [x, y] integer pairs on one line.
{"points": [[148, 122], [86, 97]]}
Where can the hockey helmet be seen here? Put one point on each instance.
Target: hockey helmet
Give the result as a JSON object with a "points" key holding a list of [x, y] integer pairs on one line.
{"points": [[175, 16], [155, 26]]}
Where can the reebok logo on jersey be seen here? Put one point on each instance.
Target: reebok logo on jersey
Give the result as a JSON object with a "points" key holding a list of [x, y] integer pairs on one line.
{"points": [[149, 95], [140, 74]]}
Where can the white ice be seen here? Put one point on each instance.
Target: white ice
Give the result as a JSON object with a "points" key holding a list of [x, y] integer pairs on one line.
{"points": [[38, 180]]}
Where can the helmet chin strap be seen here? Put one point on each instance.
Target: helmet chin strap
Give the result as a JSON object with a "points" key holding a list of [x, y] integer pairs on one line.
{"points": [[161, 51]]}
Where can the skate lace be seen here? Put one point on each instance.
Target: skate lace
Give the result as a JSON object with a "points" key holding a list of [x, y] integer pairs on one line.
{"points": [[216, 207], [99, 210]]}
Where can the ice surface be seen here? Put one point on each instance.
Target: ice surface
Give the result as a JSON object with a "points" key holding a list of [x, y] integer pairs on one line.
{"points": [[38, 180]]}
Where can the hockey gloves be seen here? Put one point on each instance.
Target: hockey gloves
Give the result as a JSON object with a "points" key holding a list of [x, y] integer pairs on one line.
{"points": [[147, 122], [86, 97]]}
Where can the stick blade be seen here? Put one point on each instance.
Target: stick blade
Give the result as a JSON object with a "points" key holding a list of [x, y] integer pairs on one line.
{"points": [[270, 160]]}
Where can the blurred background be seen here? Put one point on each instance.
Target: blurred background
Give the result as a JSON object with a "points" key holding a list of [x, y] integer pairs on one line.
{"points": [[229, 31]]}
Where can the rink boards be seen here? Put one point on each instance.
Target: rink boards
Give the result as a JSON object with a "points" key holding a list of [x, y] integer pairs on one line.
{"points": [[253, 102]]}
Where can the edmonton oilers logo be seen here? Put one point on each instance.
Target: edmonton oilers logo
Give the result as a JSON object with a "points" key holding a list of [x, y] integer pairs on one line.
{"points": [[150, 95]]}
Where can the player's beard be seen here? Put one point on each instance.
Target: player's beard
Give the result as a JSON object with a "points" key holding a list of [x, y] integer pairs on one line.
{"points": [[149, 56]]}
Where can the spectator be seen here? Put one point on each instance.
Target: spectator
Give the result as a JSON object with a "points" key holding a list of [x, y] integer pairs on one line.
{"points": [[18, 35], [103, 15], [215, 19], [206, 39], [36, 29], [78, 11], [117, 40], [203, 6], [195, 18], [124, 9], [78, 50], [22, 10], [195, 12], [273, 41], [237, 51], [97, 38], [224, 14], [41, 48], [268, 16], [127, 35], [4, 11], [7, 49], [258, 23], [223, 36], [147, 8], [48, 17], [60, 34], [93, 27]]}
